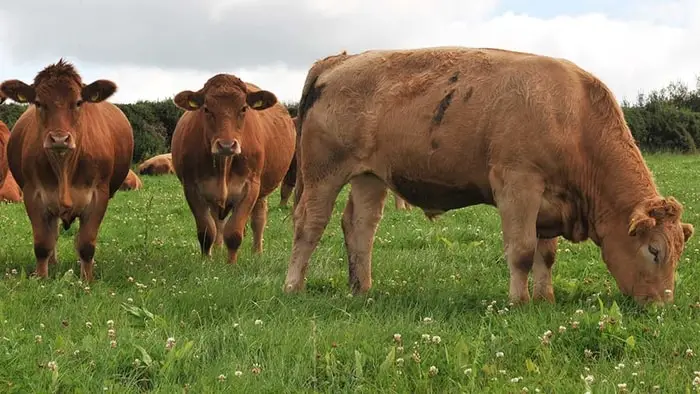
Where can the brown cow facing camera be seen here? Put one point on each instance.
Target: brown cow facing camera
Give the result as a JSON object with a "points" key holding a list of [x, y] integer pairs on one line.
{"points": [[231, 149], [539, 138], [69, 152]]}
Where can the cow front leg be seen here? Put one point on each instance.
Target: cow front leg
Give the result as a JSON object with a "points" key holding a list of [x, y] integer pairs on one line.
{"points": [[361, 217], [44, 232], [85, 241], [542, 288], [518, 196], [206, 227], [257, 223], [234, 229]]}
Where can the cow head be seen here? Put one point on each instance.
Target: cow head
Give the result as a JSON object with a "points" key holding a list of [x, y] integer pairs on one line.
{"points": [[2, 97], [224, 102], [58, 95], [643, 256]]}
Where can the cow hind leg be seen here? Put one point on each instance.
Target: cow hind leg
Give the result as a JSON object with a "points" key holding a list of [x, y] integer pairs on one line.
{"points": [[361, 217], [401, 204], [257, 223], [518, 199], [285, 193], [543, 288], [86, 239], [311, 216]]}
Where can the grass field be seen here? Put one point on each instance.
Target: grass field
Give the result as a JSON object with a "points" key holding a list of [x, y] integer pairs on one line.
{"points": [[441, 286]]}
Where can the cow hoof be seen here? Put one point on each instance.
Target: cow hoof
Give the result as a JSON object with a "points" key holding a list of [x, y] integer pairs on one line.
{"points": [[291, 288]]}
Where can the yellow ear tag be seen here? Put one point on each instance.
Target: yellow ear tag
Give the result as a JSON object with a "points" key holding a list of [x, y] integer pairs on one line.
{"points": [[258, 104], [193, 104], [21, 98], [95, 97]]}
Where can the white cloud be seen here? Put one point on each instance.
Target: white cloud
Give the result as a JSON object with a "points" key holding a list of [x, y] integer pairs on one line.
{"points": [[655, 45]]}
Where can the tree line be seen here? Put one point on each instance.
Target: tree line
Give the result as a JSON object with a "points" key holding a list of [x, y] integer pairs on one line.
{"points": [[666, 119]]}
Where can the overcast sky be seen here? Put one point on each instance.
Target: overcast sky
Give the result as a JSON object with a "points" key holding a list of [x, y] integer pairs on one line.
{"points": [[155, 48]]}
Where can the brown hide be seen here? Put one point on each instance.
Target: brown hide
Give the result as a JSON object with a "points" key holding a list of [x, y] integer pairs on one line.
{"points": [[158, 165], [9, 190], [444, 128], [231, 149], [132, 182], [290, 178], [4, 137], [69, 153]]}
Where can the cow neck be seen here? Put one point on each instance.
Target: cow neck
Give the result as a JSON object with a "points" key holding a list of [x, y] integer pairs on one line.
{"points": [[221, 166], [63, 166], [616, 179]]}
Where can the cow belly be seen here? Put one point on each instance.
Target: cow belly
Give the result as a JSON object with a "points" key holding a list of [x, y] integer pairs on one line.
{"points": [[438, 197]]}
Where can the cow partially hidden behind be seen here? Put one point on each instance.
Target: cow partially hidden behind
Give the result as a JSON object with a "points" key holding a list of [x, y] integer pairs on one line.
{"points": [[157, 165], [131, 182], [231, 149], [69, 152], [9, 190], [537, 137]]}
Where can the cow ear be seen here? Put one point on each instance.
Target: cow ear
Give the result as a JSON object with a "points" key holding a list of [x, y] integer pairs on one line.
{"points": [[189, 100], [261, 99], [98, 91], [18, 91], [688, 231]]}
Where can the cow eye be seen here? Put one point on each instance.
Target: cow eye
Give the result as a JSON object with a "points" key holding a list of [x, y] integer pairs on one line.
{"points": [[79, 103], [207, 110], [37, 104], [654, 252], [245, 108]]}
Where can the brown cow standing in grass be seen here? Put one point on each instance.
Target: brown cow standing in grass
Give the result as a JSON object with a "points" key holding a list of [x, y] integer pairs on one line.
{"points": [[231, 149], [131, 182], [158, 165], [69, 152], [537, 137]]}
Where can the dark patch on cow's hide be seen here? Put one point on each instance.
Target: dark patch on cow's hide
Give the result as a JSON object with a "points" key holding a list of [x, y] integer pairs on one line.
{"points": [[454, 77], [435, 196], [468, 94], [442, 107], [309, 99]]}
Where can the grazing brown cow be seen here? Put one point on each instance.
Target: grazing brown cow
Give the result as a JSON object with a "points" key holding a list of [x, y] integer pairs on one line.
{"points": [[131, 182], [231, 149], [9, 190], [537, 137], [69, 152], [158, 165]]}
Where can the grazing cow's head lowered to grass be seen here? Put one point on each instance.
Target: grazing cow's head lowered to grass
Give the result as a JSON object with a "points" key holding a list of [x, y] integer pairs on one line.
{"points": [[645, 262], [224, 101], [58, 94]]}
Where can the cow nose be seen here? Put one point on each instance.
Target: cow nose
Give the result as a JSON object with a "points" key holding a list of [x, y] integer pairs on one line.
{"points": [[227, 147], [59, 140]]}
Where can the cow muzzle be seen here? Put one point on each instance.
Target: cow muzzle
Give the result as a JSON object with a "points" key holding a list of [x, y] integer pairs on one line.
{"points": [[59, 141], [222, 147]]}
